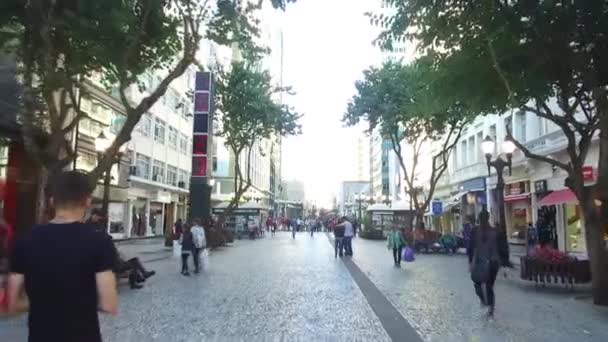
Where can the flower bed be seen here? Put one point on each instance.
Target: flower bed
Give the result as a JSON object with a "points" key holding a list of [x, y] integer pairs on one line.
{"points": [[547, 265]]}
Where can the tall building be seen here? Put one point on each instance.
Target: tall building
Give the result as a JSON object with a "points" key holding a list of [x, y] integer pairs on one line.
{"points": [[362, 158], [265, 163]]}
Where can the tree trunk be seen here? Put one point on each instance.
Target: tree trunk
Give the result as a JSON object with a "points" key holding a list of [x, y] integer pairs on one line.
{"points": [[595, 209], [41, 195], [595, 225]]}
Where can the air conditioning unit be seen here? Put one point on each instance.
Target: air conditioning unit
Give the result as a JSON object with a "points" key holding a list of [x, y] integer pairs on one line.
{"points": [[132, 170]]}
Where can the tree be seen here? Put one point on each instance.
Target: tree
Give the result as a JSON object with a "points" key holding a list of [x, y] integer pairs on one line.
{"points": [[61, 44], [248, 113], [399, 100], [541, 57]]}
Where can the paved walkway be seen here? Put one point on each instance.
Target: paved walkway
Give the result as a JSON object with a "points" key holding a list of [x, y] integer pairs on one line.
{"points": [[279, 289]]}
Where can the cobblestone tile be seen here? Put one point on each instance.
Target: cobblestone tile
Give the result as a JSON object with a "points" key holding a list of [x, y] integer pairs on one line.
{"points": [[435, 294]]}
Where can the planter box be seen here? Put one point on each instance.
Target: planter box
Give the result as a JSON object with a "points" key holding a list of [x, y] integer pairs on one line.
{"points": [[568, 273]]}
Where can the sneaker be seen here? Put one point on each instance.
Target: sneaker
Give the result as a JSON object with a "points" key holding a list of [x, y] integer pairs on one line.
{"points": [[186, 273], [149, 274], [136, 286], [491, 312]]}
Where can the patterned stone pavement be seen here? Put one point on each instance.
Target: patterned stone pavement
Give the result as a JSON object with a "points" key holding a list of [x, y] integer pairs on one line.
{"points": [[436, 296], [273, 289], [279, 289]]}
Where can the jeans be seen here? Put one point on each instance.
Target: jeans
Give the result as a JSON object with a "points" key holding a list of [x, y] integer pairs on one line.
{"points": [[338, 246], [293, 233], [348, 245], [397, 255], [185, 261], [488, 298]]}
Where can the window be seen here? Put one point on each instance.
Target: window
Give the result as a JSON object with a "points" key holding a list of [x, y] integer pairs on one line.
{"points": [[144, 125], [455, 158], [158, 171], [172, 175], [463, 154], [471, 151], [492, 134], [142, 164], [118, 120], [520, 127], [479, 151], [173, 137], [183, 177], [159, 131], [183, 144]]}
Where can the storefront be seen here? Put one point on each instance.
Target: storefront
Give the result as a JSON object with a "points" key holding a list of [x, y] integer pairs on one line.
{"points": [[244, 216], [473, 199], [518, 211]]}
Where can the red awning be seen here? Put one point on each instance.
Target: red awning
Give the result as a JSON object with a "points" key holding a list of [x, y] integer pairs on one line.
{"points": [[518, 197], [558, 197]]}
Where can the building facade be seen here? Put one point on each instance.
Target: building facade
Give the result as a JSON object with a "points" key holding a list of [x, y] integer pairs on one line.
{"points": [[534, 193]]}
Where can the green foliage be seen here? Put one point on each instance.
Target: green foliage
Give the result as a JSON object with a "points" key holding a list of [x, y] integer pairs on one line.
{"points": [[247, 109]]}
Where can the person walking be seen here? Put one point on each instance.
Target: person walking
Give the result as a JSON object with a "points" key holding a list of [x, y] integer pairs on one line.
{"points": [[338, 240], [349, 233], [187, 242], [484, 255], [396, 242], [293, 230], [65, 268], [200, 242]]}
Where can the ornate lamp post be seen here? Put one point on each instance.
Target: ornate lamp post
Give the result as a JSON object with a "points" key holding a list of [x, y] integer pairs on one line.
{"points": [[499, 164], [360, 198]]}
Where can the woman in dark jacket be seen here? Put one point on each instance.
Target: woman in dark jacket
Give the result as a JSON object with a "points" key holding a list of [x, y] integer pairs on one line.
{"points": [[485, 257], [187, 242]]}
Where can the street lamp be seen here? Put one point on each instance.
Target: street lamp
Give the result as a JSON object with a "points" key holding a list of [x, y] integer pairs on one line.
{"points": [[499, 164], [360, 198], [387, 199]]}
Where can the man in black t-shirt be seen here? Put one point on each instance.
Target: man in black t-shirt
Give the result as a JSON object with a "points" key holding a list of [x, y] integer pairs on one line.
{"points": [[65, 268]]}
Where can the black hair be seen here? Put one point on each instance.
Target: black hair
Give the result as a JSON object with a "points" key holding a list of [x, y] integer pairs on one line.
{"points": [[70, 187]]}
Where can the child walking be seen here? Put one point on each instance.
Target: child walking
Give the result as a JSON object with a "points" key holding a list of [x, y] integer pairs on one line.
{"points": [[187, 242]]}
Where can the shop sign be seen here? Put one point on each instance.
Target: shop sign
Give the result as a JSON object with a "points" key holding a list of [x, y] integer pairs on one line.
{"points": [[437, 208], [588, 174], [163, 197]]}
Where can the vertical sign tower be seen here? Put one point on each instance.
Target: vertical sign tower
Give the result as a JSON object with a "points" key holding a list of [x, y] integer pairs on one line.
{"points": [[200, 191]]}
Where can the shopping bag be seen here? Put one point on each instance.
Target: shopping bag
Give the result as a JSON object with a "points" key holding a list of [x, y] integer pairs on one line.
{"points": [[177, 249], [205, 259], [408, 255]]}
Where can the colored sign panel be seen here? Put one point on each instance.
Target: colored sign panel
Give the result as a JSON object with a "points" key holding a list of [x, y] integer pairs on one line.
{"points": [[199, 166], [201, 124], [437, 208], [588, 174], [199, 145]]}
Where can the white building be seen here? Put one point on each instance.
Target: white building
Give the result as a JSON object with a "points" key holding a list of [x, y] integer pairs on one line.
{"points": [[466, 188]]}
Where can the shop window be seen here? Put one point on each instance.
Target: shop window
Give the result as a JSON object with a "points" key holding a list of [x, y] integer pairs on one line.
{"points": [[575, 228], [519, 223]]}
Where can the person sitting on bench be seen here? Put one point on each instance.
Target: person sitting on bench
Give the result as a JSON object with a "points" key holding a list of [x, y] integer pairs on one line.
{"points": [[137, 272]]}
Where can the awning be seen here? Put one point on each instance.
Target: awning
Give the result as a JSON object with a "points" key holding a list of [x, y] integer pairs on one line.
{"points": [[558, 197], [516, 198]]}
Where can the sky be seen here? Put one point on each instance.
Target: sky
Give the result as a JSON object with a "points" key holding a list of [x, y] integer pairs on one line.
{"points": [[327, 45]]}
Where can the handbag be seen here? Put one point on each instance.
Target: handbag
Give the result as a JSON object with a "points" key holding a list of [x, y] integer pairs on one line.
{"points": [[177, 249], [408, 255], [204, 256], [481, 270]]}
